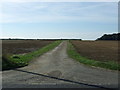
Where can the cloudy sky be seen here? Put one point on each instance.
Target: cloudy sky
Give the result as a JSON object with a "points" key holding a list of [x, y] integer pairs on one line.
{"points": [[85, 20]]}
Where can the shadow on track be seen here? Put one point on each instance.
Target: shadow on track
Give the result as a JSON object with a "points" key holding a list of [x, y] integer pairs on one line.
{"points": [[75, 82]]}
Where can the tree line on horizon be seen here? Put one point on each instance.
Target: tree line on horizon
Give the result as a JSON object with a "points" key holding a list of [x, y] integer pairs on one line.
{"points": [[39, 39], [115, 36]]}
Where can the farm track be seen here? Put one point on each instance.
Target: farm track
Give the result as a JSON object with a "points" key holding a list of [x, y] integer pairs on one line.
{"points": [[56, 69]]}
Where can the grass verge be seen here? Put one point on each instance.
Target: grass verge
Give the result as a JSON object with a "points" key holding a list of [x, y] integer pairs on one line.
{"points": [[15, 61], [75, 55]]}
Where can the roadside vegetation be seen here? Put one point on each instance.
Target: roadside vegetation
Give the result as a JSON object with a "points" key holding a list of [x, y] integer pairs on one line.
{"points": [[73, 53], [10, 61]]}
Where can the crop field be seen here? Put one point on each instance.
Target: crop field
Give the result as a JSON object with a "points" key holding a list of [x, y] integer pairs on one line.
{"points": [[18, 53], [98, 50], [22, 46]]}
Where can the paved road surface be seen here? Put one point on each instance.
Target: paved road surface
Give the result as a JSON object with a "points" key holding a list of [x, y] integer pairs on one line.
{"points": [[56, 69]]}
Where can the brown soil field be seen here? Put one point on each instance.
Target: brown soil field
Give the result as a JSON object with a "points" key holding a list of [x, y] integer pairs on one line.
{"points": [[22, 46], [98, 50]]}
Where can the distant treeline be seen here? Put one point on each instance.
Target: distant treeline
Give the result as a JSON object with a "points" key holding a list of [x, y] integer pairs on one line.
{"points": [[110, 37], [41, 39]]}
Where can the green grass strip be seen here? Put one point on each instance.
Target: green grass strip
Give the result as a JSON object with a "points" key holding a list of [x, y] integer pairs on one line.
{"points": [[75, 55], [14, 61]]}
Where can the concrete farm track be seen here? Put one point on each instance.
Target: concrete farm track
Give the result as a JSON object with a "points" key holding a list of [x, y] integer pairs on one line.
{"points": [[55, 69]]}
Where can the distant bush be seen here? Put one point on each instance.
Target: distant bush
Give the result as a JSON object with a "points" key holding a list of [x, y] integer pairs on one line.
{"points": [[110, 37]]}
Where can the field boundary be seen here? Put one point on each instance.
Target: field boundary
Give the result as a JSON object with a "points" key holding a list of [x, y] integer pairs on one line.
{"points": [[18, 60], [75, 55]]}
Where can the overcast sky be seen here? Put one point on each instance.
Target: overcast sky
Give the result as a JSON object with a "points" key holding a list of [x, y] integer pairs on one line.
{"points": [[84, 20]]}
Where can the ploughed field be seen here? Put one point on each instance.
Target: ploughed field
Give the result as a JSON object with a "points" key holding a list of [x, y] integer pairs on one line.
{"points": [[98, 50], [22, 46], [18, 53]]}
